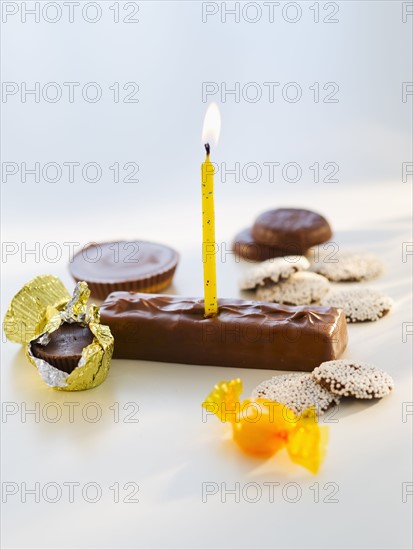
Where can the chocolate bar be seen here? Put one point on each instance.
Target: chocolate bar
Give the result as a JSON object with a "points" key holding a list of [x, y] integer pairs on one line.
{"points": [[248, 334]]}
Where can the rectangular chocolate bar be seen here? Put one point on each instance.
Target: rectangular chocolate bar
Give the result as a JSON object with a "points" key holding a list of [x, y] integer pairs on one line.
{"points": [[250, 334]]}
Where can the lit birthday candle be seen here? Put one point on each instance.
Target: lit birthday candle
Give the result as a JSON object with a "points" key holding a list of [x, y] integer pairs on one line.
{"points": [[210, 134]]}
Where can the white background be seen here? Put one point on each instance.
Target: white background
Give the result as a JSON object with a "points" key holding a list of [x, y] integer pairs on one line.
{"points": [[170, 452]]}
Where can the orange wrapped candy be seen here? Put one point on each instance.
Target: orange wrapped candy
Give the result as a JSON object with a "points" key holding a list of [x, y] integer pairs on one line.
{"points": [[262, 427]]}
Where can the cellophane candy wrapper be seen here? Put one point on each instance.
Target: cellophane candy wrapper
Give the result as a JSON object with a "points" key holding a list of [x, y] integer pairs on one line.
{"points": [[262, 427], [39, 309]]}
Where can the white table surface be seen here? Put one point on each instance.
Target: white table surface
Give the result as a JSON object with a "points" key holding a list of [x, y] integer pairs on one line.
{"points": [[170, 453]]}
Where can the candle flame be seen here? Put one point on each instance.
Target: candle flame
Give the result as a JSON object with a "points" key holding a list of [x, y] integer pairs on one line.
{"points": [[212, 124]]}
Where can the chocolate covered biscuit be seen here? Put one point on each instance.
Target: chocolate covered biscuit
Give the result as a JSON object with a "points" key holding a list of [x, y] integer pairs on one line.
{"points": [[359, 304], [298, 392], [272, 271], [293, 228], [347, 266], [353, 379], [245, 246]]}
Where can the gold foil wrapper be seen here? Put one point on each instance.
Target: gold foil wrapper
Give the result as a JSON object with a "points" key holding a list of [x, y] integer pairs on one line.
{"points": [[39, 309], [31, 308]]}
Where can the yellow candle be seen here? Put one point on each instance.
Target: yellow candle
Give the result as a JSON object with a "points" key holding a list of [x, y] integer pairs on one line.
{"points": [[208, 237]]}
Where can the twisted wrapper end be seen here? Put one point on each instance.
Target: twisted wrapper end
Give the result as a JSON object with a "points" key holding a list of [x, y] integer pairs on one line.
{"points": [[307, 442], [224, 400]]}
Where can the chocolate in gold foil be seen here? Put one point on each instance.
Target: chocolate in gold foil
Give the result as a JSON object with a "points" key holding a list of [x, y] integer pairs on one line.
{"points": [[38, 310]]}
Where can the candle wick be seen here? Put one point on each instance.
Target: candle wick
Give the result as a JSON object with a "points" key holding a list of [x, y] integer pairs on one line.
{"points": [[207, 148]]}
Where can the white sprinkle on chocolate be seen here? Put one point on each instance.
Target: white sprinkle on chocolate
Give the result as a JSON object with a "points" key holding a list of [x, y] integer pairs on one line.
{"points": [[347, 266], [359, 304], [273, 270], [296, 391], [353, 379], [300, 289]]}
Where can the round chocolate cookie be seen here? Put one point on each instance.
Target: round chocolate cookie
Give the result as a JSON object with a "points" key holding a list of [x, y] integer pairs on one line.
{"points": [[353, 379], [245, 246], [297, 392], [293, 228], [359, 304], [300, 289], [124, 266], [63, 348]]}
